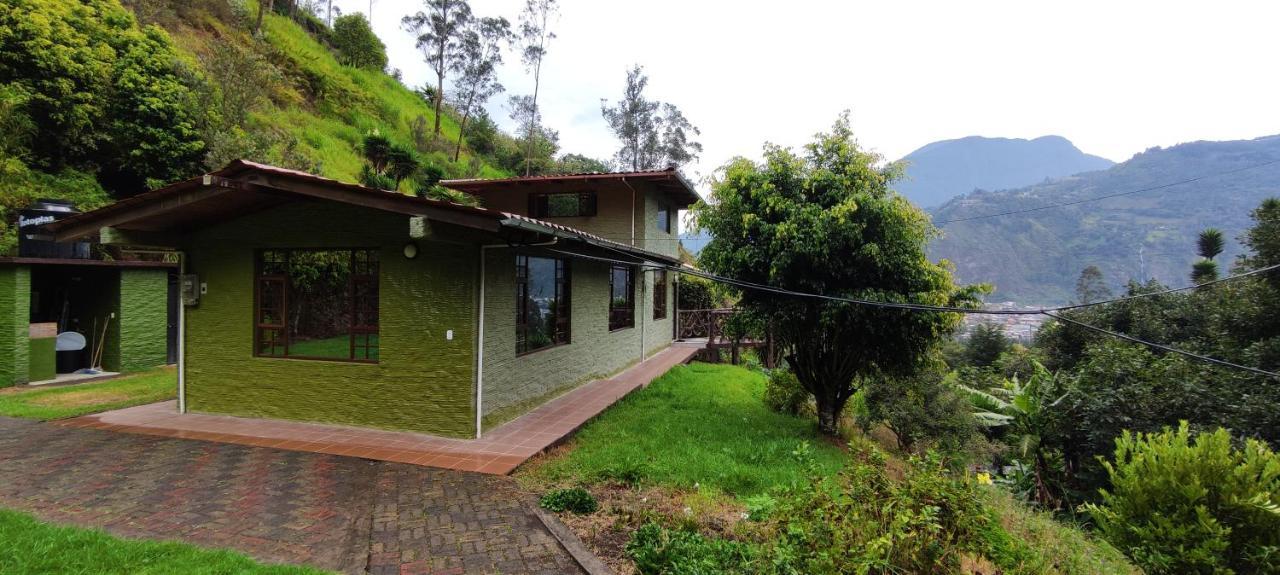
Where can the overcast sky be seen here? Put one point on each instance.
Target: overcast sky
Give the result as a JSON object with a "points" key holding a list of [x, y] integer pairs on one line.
{"points": [[1115, 77]]}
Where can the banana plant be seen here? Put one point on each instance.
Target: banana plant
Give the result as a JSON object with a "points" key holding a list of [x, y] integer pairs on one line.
{"points": [[1026, 413]]}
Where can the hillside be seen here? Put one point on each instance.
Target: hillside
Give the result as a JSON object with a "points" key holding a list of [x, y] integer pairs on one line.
{"points": [[943, 170], [152, 91], [1035, 258]]}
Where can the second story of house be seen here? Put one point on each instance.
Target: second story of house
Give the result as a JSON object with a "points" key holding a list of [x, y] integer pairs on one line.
{"points": [[640, 209]]}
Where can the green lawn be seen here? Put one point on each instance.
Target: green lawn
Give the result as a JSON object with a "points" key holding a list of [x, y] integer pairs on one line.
{"points": [[699, 423], [46, 403], [28, 546]]}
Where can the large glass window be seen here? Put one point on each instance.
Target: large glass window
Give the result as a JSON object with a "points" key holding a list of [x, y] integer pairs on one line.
{"points": [[317, 304], [622, 297], [562, 205], [542, 303], [660, 294]]}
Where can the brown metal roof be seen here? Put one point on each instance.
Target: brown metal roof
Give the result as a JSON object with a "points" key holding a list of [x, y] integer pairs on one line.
{"points": [[669, 180], [244, 186]]}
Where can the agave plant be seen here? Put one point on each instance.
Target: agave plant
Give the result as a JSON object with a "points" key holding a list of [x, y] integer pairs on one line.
{"points": [[1025, 412]]}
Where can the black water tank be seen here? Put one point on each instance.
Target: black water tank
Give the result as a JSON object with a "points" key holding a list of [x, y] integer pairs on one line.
{"points": [[34, 243]]}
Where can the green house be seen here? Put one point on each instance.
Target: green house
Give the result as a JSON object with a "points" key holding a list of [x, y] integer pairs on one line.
{"points": [[311, 299]]}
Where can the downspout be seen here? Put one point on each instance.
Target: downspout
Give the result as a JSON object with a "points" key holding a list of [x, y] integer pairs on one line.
{"points": [[633, 210], [480, 335], [182, 338], [643, 284]]}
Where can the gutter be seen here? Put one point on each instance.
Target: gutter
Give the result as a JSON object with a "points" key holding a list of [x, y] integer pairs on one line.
{"points": [[633, 210]]}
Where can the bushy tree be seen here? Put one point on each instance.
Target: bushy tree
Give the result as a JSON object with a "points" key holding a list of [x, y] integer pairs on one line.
{"points": [[826, 222], [1091, 286], [921, 410], [1180, 502], [356, 43], [579, 164], [985, 344]]}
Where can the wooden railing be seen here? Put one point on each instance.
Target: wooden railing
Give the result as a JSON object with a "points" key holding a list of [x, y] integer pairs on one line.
{"points": [[703, 323]]}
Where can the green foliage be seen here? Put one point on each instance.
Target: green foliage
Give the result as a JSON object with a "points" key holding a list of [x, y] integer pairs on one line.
{"points": [[1091, 286], [22, 186], [1264, 237], [1180, 503], [660, 551], [104, 93], [654, 135], [827, 222], [922, 410], [784, 394], [1204, 271], [31, 546], [387, 164], [693, 293], [356, 43], [699, 424], [579, 164], [574, 499], [985, 344], [866, 520], [1210, 243]]}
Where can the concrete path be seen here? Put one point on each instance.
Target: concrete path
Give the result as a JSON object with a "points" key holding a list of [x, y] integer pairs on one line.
{"points": [[339, 513], [499, 452]]}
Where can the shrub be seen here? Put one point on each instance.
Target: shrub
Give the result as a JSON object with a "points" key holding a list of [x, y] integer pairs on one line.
{"points": [[1184, 504], [356, 43], [866, 520], [784, 394], [574, 499], [660, 551], [921, 410]]}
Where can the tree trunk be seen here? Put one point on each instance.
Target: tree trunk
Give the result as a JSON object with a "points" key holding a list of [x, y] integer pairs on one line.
{"points": [[533, 117], [439, 95], [264, 6], [462, 129], [828, 417]]}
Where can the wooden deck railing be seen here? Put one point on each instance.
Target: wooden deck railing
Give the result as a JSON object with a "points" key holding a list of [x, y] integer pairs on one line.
{"points": [[709, 324]]}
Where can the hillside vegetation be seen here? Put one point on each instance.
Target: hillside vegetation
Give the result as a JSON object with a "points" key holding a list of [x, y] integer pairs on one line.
{"points": [[1036, 257], [943, 170], [100, 100]]}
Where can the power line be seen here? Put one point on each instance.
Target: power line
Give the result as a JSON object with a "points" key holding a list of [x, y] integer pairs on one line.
{"points": [[1048, 312], [1162, 346], [1108, 196]]}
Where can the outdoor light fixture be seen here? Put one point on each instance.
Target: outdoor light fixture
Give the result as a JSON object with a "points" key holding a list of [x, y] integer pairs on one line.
{"points": [[410, 250]]}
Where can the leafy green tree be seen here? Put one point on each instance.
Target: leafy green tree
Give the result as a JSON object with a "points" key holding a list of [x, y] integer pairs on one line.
{"points": [[441, 36], [1263, 239], [654, 134], [1092, 286], [356, 43], [579, 164], [826, 222], [1208, 245], [985, 344], [921, 410], [482, 50], [1204, 271]]}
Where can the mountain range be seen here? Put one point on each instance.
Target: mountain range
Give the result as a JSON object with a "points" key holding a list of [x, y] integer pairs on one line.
{"points": [[943, 170], [1147, 232]]}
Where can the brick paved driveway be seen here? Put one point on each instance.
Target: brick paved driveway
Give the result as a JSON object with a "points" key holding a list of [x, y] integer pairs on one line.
{"points": [[340, 513]]}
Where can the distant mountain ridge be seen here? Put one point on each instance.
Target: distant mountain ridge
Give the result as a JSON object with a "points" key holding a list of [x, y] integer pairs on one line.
{"points": [[1036, 257], [943, 170]]}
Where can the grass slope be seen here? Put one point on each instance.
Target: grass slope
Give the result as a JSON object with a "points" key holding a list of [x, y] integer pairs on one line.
{"points": [[61, 402], [698, 424], [28, 546]]}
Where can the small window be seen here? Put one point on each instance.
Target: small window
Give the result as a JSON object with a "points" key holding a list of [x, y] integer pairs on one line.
{"points": [[622, 297], [562, 205], [664, 219], [660, 294], [317, 304], [542, 303]]}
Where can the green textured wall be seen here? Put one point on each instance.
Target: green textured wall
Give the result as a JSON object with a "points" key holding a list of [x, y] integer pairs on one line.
{"points": [[15, 303], [423, 382], [142, 320], [593, 352], [43, 361]]}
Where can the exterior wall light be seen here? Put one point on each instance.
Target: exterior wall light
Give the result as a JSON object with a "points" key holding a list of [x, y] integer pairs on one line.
{"points": [[410, 250]]}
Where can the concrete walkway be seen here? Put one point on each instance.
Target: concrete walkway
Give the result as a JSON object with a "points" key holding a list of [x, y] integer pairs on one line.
{"points": [[336, 513], [499, 452]]}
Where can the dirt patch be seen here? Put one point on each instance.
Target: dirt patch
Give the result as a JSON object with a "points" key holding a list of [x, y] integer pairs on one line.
{"points": [[624, 508], [82, 398]]}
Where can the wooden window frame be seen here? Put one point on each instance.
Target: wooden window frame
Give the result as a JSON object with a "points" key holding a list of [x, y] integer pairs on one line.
{"points": [[660, 296], [630, 308], [539, 205], [282, 279], [562, 332]]}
